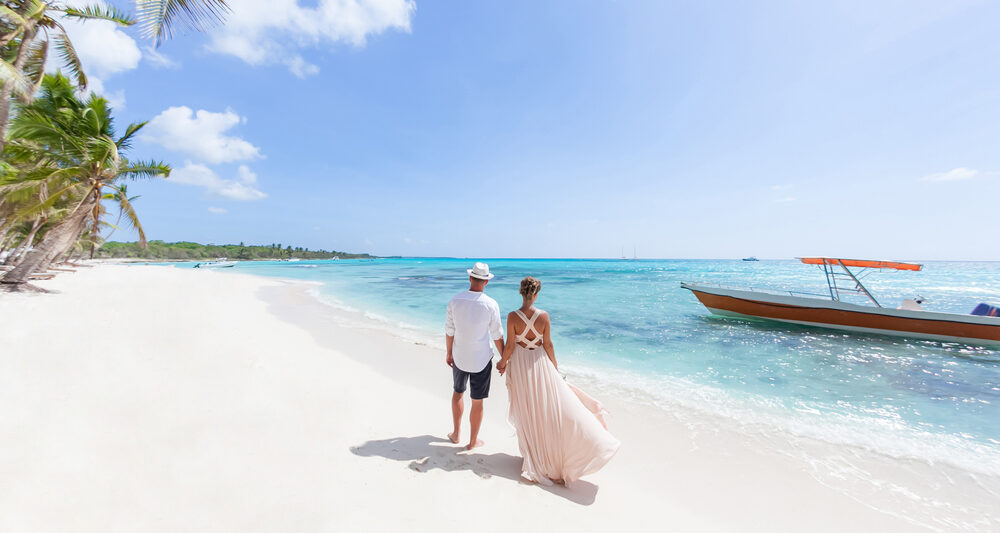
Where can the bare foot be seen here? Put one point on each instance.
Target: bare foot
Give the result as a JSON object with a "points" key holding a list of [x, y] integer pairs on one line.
{"points": [[453, 437], [479, 442]]}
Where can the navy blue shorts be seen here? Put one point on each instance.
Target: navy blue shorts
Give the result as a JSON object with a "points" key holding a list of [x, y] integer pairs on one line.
{"points": [[480, 381]]}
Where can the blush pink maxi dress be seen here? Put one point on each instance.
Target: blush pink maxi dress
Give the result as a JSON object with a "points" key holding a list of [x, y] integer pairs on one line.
{"points": [[561, 430]]}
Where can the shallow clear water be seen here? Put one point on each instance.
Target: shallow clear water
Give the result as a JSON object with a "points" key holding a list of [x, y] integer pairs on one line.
{"points": [[631, 323]]}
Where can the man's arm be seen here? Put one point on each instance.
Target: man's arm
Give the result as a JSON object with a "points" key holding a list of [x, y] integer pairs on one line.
{"points": [[496, 329], [508, 348], [449, 341], [449, 335]]}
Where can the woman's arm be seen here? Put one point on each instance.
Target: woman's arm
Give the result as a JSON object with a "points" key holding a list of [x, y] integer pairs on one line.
{"points": [[508, 348], [547, 340]]}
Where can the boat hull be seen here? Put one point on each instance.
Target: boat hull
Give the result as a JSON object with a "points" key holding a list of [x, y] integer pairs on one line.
{"points": [[228, 264], [948, 327]]}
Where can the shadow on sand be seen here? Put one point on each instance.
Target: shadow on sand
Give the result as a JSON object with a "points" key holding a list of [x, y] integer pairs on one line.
{"points": [[427, 452]]}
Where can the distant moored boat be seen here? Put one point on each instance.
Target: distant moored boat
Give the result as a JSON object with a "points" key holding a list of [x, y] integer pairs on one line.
{"points": [[751, 258], [218, 263]]}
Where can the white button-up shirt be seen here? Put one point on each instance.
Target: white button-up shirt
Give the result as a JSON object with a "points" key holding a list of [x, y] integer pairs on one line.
{"points": [[474, 320]]}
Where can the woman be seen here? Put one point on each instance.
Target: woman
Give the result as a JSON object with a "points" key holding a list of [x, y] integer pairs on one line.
{"points": [[560, 430]]}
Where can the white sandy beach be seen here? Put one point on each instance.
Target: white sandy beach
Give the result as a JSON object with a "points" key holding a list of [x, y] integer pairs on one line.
{"points": [[153, 399]]}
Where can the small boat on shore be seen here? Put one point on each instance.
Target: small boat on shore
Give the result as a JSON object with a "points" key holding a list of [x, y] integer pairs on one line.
{"points": [[981, 327], [221, 262]]}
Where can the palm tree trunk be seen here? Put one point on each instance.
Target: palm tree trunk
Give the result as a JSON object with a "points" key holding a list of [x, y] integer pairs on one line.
{"points": [[56, 241], [67, 249], [26, 244], [8, 88]]}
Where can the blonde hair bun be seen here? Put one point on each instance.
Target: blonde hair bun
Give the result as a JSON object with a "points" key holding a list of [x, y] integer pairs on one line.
{"points": [[530, 286]]}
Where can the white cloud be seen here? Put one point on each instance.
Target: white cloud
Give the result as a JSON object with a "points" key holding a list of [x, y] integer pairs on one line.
{"points": [[201, 135], [301, 69], [115, 99], [103, 48], [271, 31], [217, 210], [158, 59], [960, 173], [785, 200], [243, 188]]}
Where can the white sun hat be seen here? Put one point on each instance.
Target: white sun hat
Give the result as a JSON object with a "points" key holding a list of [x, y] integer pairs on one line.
{"points": [[480, 271]]}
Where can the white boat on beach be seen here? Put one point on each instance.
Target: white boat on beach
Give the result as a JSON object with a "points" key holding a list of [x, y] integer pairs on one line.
{"points": [[221, 262]]}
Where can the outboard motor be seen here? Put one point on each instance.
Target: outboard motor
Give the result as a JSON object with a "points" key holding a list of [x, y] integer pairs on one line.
{"points": [[985, 309]]}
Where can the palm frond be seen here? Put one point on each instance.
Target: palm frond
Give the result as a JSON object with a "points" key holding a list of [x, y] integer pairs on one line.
{"points": [[145, 170], [34, 68], [36, 208], [100, 12], [9, 74], [130, 217], [36, 126], [35, 9], [70, 58], [104, 149], [34, 177], [12, 17], [159, 18], [125, 141]]}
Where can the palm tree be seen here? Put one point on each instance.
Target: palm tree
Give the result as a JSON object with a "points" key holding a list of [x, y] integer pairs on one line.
{"points": [[26, 230], [159, 18], [79, 156], [26, 29], [126, 212]]}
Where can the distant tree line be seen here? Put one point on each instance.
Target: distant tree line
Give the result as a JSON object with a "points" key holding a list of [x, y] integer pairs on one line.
{"points": [[179, 251]]}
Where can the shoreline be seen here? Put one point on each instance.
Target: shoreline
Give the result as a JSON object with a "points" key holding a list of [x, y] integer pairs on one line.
{"points": [[301, 362], [737, 411], [686, 426]]}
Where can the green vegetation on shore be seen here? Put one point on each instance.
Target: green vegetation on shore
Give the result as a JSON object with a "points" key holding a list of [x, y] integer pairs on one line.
{"points": [[179, 251]]}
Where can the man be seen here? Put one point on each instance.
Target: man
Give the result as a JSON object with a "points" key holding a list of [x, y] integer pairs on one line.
{"points": [[472, 322]]}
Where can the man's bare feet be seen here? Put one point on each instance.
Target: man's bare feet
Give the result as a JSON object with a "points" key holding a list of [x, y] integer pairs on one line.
{"points": [[453, 437], [479, 442]]}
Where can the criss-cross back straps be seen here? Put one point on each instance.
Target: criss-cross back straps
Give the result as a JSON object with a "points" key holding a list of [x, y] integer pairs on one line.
{"points": [[529, 325]]}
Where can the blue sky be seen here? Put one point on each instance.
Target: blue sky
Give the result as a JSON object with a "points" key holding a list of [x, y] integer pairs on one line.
{"points": [[573, 128]]}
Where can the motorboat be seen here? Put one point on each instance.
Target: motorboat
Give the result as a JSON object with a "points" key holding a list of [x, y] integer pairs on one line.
{"points": [[843, 276], [221, 262], [751, 258]]}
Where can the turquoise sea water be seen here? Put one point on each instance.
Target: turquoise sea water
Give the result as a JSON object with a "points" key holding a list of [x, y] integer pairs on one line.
{"points": [[629, 322]]}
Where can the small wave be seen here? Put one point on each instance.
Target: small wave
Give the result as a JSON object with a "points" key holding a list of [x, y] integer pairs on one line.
{"points": [[404, 330]]}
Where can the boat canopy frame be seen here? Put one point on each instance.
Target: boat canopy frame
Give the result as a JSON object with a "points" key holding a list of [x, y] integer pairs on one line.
{"points": [[848, 278]]}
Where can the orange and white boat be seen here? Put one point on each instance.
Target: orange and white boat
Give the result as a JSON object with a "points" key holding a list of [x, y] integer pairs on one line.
{"points": [[909, 320]]}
